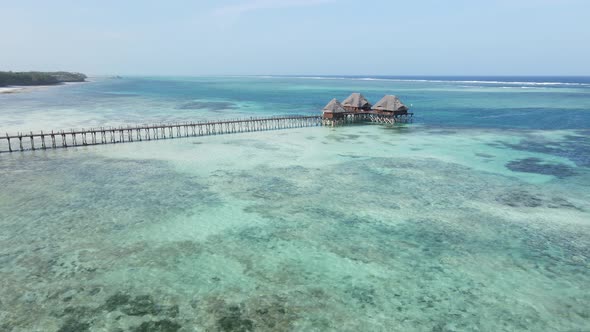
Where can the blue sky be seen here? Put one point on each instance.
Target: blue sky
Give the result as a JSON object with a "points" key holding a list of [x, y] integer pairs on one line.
{"points": [[243, 37]]}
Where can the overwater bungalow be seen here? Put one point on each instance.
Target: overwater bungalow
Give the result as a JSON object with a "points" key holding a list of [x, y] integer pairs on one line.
{"points": [[356, 102], [390, 105], [334, 110], [389, 110]]}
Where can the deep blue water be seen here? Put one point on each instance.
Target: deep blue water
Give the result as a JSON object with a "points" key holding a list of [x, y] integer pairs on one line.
{"points": [[481, 102], [473, 218]]}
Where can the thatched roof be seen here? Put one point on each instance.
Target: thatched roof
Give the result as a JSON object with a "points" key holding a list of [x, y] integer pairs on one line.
{"points": [[390, 103], [334, 106], [356, 100]]}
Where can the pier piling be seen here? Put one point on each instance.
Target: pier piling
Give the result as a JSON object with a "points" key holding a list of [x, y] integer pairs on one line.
{"points": [[140, 133], [112, 135]]}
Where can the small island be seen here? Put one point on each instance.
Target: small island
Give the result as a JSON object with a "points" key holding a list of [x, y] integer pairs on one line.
{"points": [[33, 78]]}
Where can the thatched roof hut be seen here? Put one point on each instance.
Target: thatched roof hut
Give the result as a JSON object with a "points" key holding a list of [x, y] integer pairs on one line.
{"points": [[334, 106], [333, 109], [356, 102], [390, 103]]}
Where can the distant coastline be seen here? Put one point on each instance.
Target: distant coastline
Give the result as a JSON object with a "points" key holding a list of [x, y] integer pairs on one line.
{"points": [[11, 82]]}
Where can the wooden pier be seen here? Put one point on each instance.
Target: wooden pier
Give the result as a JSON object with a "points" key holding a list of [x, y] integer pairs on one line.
{"points": [[112, 135], [368, 117]]}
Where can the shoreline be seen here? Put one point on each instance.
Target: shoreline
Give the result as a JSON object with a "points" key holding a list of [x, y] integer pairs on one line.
{"points": [[10, 89]]}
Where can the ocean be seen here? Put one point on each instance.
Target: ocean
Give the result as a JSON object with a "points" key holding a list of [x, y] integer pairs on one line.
{"points": [[475, 217]]}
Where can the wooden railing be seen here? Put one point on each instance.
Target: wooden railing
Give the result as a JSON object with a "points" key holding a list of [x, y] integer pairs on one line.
{"points": [[111, 135]]}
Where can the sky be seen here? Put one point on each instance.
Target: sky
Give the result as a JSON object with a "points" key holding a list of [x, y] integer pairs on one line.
{"points": [[297, 37]]}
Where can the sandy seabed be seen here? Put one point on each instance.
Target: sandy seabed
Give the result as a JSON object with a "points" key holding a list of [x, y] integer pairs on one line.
{"points": [[361, 228]]}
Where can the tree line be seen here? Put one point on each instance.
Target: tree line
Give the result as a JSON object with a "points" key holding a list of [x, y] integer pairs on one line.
{"points": [[39, 78]]}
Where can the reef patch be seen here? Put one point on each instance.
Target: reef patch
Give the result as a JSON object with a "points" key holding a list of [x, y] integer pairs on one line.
{"points": [[163, 325], [208, 105], [539, 166]]}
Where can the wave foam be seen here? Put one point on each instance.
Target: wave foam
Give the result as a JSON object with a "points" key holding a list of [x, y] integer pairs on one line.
{"points": [[514, 83]]}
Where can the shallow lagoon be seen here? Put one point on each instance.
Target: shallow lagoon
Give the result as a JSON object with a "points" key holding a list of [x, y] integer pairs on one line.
{"points": [[412, 228]]}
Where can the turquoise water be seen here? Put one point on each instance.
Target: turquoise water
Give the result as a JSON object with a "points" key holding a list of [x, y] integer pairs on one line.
{"points": [[476, 217]]}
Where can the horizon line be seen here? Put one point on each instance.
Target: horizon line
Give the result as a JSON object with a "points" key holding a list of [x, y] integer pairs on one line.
{"points": [[338, 75]]}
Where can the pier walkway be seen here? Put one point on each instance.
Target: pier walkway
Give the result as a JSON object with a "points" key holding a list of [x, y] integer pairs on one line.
{"points": [[112, 135]]}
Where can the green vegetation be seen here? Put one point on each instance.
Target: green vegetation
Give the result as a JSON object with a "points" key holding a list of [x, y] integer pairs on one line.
{"points": [[39, 78]]}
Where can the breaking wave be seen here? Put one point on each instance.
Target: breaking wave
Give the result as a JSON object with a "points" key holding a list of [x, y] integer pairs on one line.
{"points": [[419, 80]]}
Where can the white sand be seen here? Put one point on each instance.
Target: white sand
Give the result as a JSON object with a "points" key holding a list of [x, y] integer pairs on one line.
{"points": [[11, 89], [28, 88]]}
